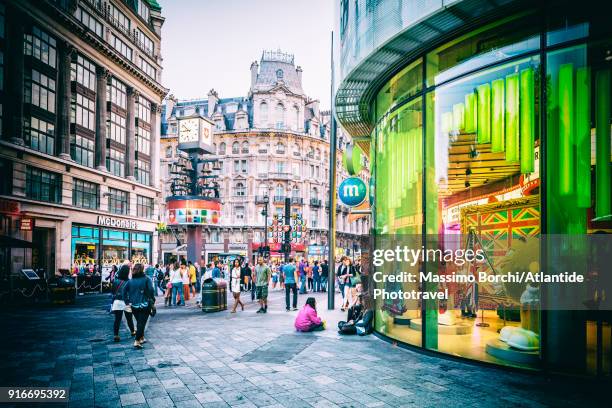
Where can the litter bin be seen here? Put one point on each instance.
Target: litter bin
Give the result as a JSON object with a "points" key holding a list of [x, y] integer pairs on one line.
{"points": [[61, 290], [214, 295]]}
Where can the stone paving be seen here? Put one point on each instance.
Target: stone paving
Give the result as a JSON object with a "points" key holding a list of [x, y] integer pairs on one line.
{"points": [[246, 359]]}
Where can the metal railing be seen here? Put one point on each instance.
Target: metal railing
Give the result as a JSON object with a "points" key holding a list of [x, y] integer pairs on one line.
{"points": [[315, 202], [297, 200]]}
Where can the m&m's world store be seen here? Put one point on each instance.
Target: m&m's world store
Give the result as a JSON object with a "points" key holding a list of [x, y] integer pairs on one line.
{"points": [[488, 130]]}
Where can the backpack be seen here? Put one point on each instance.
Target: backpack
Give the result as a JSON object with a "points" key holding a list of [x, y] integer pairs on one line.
{"points": [[160, 275]]}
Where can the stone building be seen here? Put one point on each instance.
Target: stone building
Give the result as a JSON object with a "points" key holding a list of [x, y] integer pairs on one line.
{"points": [[272, 142], [80, 97]]}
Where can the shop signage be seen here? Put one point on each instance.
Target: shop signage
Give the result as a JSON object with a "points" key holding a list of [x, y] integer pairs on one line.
{"points": [[27, 224], [116, 222], [352, 191], [9, 207], [237, 247]]}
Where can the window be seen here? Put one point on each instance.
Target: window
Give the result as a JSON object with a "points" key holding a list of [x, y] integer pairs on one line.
{"points": [[245, 147], [43, 185], [144, 110], [116, 93], [235, 148], [314, 193], [314, 218], [296, 115], [239, 212], [118, 201], [40, 135], [142, 9], [222, 148], [280, 116], [119, 19], [279, 191], [116, 128], [244, 168], [148, 68], [280, 167], [82, 150], [6, 183], [143, 141], [279, 74], [2, 17], [144, 207], [85, 194], [83, 72], [87, 19], [115, 162], [280, 148], [263, 112], [121, 46], [169, 151], [83, 112], [142, 171], [41, 46], [39, 90], [145, 42], [240, 190]]}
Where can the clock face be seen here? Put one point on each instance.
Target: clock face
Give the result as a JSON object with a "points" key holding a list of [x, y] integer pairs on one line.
{"points": [[189, 130]]}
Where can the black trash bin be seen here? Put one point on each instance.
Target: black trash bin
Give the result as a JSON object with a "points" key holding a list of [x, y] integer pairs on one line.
{"points": [[214, 295], [61, 290]]}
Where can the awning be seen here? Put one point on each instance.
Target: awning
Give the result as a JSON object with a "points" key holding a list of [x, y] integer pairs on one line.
{"points": [[10, 242]]}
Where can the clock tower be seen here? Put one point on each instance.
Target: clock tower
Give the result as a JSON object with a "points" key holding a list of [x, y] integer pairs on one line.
{"points": [[195, 134]]}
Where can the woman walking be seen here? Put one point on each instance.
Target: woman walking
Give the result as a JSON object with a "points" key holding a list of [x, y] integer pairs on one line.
{"points": [[346, 271], [119, 308], [235, 284], [176, 279], [139, 294]]}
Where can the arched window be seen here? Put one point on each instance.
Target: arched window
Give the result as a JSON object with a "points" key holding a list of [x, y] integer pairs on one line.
{"points": [[245, 147], [262, 190], [295, 191], [280, 148], [311, 152], [280, 116], [296, 150], [296, 116], [318, 154], [263, 114], [314, 193], [240, 189], [235, 148], [222, 148], [169, 151]]}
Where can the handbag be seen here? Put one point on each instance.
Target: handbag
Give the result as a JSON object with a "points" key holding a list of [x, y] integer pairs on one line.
{"points": [[355, 280], [118, 305], [153, 311]]}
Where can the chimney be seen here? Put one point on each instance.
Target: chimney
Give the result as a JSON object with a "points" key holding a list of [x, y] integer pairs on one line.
{"points": [[213, 98], [298, 71], [254, 67]]}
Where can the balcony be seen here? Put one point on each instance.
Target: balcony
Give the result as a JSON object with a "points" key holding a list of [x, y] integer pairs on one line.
{"points": [[280, 151], [327, 204], [279, 199], [262, 151], [297, 153], [261, 199], [280, 175], [297, 200], [315, 202]]}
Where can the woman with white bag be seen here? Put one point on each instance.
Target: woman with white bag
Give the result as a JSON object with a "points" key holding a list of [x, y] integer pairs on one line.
{"points": [[119, 307]]}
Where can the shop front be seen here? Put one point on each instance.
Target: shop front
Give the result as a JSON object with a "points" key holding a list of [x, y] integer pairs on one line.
{"points": [[96, 249], [494, 140]]}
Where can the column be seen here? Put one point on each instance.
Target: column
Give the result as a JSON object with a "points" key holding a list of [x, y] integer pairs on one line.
{"points": [[66, 51], [102, 75], [155, 135], [130, 141], [14, 80]]}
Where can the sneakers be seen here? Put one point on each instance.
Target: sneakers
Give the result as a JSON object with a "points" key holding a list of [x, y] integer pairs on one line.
{"points": [[294, 309], [287, 310], [137, 345], [261, 310]]}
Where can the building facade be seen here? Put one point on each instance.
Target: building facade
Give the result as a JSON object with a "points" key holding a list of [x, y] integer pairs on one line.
{"points": [[80, 98], [273, 142], [488, 126]]}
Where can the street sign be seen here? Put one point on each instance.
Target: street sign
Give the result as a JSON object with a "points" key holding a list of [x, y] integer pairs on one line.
{"points": [[352, 191]]}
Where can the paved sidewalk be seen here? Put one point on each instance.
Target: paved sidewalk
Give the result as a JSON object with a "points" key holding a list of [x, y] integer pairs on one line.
{"points": [[246, 359]]}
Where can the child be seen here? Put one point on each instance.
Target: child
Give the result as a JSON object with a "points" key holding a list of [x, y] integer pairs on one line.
{"points": [[307, 319]]}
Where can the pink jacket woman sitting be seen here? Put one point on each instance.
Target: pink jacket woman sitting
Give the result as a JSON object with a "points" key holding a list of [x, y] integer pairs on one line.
{"points": [[307, 318]]}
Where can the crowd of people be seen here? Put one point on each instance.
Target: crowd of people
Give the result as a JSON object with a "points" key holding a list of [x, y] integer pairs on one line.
{"points": [[135, 287]]}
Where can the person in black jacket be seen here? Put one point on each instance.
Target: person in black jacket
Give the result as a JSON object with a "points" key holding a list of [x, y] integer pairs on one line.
{"points": [[140, 296], [119, 309], [345, 272], [324, 275]]}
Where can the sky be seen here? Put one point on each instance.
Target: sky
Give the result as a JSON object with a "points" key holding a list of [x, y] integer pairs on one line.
{"points": [[212, 43]]}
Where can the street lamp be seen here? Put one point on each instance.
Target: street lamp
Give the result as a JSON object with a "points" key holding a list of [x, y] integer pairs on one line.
{"points": [[266, 200]]}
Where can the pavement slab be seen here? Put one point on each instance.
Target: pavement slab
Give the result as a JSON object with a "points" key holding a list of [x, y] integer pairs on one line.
{"points": [[193, 359]]}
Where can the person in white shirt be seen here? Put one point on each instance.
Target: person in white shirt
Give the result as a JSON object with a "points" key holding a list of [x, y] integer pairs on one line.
{"points": [[176, 278], [235, 284]]}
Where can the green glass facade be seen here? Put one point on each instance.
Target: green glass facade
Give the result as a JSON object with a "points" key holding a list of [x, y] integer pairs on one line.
{"points": [[497, 138]]}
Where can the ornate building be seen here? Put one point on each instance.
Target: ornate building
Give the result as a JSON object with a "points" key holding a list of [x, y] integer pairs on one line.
{"points": [[80, 99], [273, 142]]}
